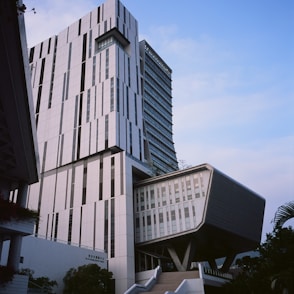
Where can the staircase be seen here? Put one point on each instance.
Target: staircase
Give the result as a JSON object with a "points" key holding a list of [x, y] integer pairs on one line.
{"points": [[170, 281]]}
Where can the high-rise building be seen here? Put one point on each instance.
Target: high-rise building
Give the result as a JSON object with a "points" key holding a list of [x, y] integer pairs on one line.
{"points": [[157, 106], [103, 114], [103, 110]]}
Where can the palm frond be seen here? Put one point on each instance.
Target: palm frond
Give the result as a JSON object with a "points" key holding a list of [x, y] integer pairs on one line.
{"points": [[283, 213]]}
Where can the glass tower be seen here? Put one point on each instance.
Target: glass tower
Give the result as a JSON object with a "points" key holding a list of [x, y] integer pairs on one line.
{"points": [[157, 110]]}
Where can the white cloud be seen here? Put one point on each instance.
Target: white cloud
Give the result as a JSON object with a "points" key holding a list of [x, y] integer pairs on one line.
{"points": [[53, 16]]}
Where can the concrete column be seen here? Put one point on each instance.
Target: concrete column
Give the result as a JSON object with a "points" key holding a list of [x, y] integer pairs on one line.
{"points": [[22, 194], [4, 191], [14, 252], [4, 194], [16, 240], [1, 246]]}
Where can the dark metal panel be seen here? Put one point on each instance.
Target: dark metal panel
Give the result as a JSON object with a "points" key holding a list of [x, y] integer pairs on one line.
{"points": [[234, 208], [18, 145]]}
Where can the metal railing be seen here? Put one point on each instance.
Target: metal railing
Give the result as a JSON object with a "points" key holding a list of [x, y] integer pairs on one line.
{"points": [[137, 288]]}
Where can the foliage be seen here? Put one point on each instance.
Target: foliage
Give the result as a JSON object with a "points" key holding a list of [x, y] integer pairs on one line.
{"points": [[183, 164], [10, 210], [6, 274], [90, 279], [272, 271], [283, 214], [43, 283]]}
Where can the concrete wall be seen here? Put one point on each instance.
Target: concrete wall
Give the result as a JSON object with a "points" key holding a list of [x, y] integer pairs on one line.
{"points": [[53, 259]]}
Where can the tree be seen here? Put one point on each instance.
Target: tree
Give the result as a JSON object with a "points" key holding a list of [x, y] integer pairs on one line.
{"points": [[283, 214], [272, 271], [90, 279], [183, 164], [41, 283]]}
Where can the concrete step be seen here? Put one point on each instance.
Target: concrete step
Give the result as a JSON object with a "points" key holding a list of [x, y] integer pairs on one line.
{"points": [[169, 281]]}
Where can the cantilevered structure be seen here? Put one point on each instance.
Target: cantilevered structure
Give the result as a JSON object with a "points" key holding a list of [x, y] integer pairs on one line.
{"points": [[196, 214]]}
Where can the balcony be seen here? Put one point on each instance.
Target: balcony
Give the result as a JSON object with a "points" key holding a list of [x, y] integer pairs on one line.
{"points": [[22, 227], [15, 219]]}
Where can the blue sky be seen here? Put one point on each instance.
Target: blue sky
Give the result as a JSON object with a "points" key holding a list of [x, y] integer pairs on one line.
{"points": [[233, 81]]}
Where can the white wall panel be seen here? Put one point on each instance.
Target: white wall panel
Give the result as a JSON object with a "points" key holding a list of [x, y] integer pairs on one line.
{"points": [[93, 181]]}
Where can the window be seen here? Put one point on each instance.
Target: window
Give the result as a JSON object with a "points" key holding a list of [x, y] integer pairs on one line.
{"points": [[173, 215], [56, 226], [79, 29], [112, 227], [131, 138], [88, 105], [107, 64], [79, 126], [128, 109], [41, 49], [105, 26], [69, 234], [94, 70], [106, 226], [186, 211], [129, 71], [106, 131], [136, 111], [98, 14], [90, 44], [84, 47], [112, 94], [112, 182], [152, 199], [100, 179], [68, 69], [142, 201], [117, 94], [84, 184], [83, 70], [32, 51]]}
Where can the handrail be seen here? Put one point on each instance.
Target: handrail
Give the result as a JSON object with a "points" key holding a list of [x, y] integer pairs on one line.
{"points": [[205, 271], [217, 273], [137, 288]]}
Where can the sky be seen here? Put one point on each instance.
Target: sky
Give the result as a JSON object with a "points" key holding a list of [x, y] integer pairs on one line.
{"points": [[233, 81]]}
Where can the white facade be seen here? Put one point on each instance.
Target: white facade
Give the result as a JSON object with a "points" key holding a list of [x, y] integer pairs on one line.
{"points": [[89, 115], [171, 206]]}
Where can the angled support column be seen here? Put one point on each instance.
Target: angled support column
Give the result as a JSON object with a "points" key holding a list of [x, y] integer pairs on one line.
{"points": [[189, 255], [228, 262], [174, 256], [212, 264]]}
